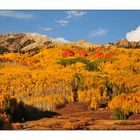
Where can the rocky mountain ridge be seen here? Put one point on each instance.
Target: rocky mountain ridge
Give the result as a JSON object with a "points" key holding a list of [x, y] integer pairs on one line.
{"points": [[32, 42]]}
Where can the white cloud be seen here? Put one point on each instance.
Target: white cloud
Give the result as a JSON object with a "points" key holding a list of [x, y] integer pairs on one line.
{"points": [[71, 14], [60, 40], [16, 14], [133, 35], [34, 34], [46, 29], [62, 22], [98, 32]]}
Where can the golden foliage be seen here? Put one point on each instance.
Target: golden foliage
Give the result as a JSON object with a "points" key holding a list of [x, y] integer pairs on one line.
{"points": [[40, 81], [129, 103]]}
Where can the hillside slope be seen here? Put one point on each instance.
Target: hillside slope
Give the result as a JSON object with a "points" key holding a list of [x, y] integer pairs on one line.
{"points": [[56, 75], [21, 42], [123, 43], [32, 42]]}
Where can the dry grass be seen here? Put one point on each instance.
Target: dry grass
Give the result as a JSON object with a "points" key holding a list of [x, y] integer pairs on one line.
{"points": [[128, 122]]}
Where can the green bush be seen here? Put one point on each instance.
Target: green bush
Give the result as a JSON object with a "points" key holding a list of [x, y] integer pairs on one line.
{"points": [[66, 62], [119, 115], [90, 66]]}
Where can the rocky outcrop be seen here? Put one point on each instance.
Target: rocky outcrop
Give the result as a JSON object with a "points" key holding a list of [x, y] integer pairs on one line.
{"points": [[21, 42], [123, 43], [32, 42]]}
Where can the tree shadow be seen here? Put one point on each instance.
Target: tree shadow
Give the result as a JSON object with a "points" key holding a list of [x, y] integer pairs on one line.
{"points": [[35, 113], [29, 113]]}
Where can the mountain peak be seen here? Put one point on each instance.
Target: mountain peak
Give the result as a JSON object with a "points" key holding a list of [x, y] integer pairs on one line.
{"points": [[85, 43], [124, 43], [23, 42]]}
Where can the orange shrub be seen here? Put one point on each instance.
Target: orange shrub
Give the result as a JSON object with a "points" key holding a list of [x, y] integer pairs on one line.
{"points": [[128, 103], [67, 53]]}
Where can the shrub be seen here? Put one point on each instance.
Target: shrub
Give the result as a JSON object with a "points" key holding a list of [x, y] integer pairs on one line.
{"points": [[118, 114], [66, 62], [67, 53], [90, 66], [4, 118], [11, 107], [5, 103], [128, 103]]}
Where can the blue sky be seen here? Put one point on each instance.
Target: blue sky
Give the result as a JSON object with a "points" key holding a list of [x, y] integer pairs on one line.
{"points": [[95, 26]]}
